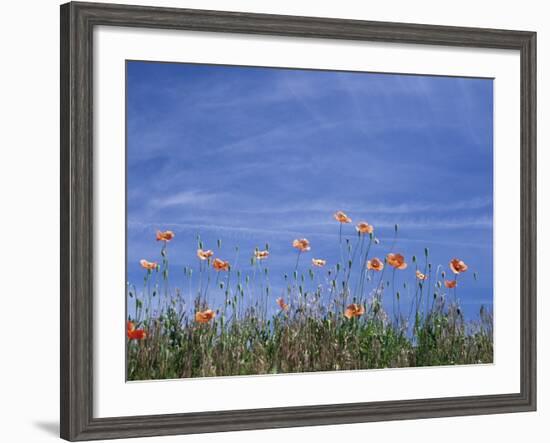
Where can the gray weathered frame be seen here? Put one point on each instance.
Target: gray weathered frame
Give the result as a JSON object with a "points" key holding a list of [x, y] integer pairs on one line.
{"points": [[77, 24]]}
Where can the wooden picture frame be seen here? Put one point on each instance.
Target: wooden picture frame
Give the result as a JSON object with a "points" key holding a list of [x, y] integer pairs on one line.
{"points": [[77, 22]]}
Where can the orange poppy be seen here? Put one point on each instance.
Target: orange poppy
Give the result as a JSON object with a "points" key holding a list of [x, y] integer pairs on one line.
{"points": [[260, 255], [396, 260], [458, 266], [342, 217], [165, 236], [354, 310], [450, 284], [281, 302], [302, 244], [420, 276], [204, 316], [364, 228], [319, 262], [220, 265], [149, 265], [204, 254], [375, 264], [133, 333]]}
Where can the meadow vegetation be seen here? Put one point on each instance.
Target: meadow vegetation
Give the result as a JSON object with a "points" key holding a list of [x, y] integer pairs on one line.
{"points": [[342, 316]]}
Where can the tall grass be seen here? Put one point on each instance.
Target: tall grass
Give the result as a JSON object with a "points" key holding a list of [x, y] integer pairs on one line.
{"points": [[327, 318]]}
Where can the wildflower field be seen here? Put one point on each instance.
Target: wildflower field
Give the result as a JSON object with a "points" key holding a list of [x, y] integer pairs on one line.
{"points": [[226, 319]]}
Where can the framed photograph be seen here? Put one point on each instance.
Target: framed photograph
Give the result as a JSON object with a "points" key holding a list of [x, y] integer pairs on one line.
{"points": [[273, 221]]}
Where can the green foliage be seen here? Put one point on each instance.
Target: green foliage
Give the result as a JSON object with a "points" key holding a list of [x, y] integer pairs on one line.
{"points": [[300, 342], [324, 322]]}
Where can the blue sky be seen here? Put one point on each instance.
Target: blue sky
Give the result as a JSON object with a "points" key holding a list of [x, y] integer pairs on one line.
{"points": [[256, 155]]}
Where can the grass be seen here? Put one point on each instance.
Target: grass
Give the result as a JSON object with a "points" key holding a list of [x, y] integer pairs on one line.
{"points": [[329, 318]]}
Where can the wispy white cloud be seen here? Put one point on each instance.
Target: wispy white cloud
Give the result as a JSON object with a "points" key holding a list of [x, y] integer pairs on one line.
{"points": [[329, 207], [192, 198]]}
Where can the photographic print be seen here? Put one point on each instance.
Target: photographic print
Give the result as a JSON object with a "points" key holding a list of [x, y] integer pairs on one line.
{"points": [[284, 220]]}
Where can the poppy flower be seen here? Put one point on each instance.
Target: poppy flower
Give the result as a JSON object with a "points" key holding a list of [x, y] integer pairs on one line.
{"points": [[165, 236], [375, 264], [204, 254], [281, 302], [204, 316], [364, 228], [319, 262], [458, 266], [396, 260], [354, 310], [420, 276], [341, 217], [133, 333], [450, 284], [302, 244], [260, 255], [149, 265], [220, 265]]}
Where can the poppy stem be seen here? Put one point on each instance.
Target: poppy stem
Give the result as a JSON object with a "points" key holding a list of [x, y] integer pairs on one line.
{"points": [[393, 293], [207, 282], [297, 261], [353, 260], [454, 292], [340, 242]]}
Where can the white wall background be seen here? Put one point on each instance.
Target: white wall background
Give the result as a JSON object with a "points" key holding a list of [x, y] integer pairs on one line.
{"points": [[29, 187]]}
